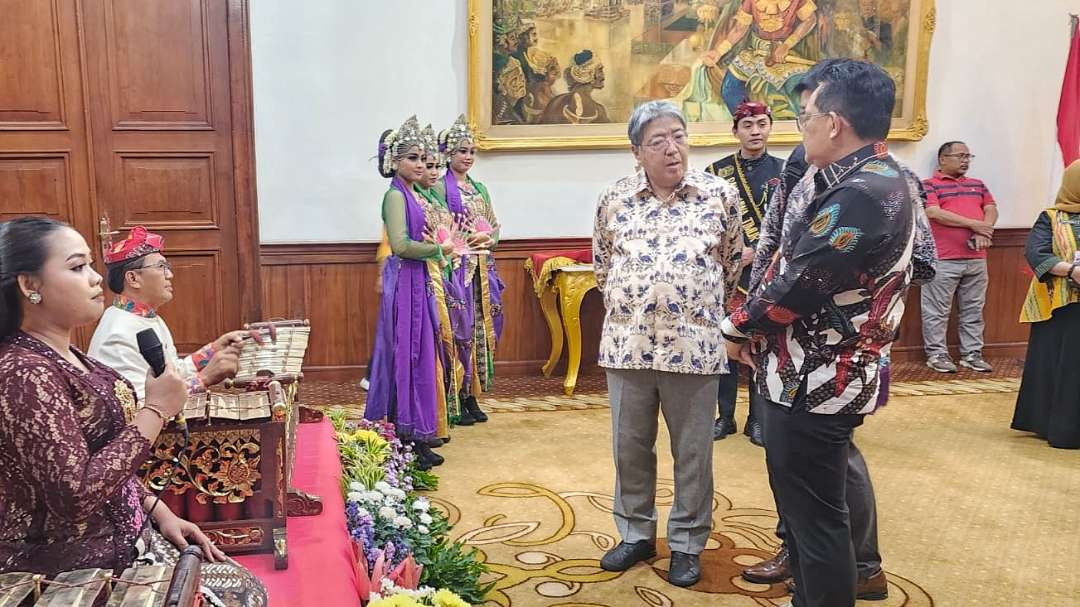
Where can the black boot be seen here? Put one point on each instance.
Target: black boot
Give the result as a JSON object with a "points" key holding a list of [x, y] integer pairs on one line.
{"points": [[435, 442], [474, 409], [418, 458], [427, 455]]}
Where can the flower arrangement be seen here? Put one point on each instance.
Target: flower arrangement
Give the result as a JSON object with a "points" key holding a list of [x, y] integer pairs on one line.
{"points": [[393, 596], [400, 541]]}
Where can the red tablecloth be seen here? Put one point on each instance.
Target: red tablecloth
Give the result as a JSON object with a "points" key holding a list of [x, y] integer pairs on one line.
{"points": [[542, 265], [320, 572]]}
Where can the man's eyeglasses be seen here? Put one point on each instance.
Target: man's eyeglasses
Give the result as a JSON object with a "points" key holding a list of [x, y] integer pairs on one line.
{"points": [[961, 156], [803, 119], [161, 265], [659, 144]]}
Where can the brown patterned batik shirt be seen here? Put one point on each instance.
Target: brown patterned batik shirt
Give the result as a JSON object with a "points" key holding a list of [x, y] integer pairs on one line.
{"points": [[667, 271]]}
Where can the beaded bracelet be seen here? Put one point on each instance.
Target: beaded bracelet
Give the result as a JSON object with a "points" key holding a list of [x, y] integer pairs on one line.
{"points": [[156, 412]]}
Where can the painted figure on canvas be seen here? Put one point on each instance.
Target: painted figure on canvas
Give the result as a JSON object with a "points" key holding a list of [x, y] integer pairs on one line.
{"points": [[587, 62]]}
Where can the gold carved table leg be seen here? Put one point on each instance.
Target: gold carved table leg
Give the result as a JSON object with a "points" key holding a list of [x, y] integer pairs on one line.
{"points": [[572, 287], [554, 323]]}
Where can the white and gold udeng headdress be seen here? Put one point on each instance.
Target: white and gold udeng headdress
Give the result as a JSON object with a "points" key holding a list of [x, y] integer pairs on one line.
{"points": [[399, 141], [451, 138]]}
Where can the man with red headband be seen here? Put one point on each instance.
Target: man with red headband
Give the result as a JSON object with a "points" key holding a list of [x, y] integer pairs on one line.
{"points": [[755, 174], [142, 279]]}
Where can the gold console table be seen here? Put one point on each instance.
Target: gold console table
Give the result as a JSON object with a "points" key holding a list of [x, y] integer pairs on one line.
{"points": [[566, 289]]}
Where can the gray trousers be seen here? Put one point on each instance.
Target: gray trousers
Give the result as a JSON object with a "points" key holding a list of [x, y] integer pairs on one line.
{"points": [[687, 403], [966, 278]]}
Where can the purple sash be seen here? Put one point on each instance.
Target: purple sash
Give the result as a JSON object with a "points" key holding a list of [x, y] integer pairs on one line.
{"points": [[403, 382]]}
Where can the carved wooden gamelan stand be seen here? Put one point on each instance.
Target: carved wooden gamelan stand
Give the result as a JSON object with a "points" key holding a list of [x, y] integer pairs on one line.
{"points": [[231, 479], [297, 502]]}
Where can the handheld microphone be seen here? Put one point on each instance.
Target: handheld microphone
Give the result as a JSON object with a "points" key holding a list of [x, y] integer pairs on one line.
{"points": [[154, 354]]}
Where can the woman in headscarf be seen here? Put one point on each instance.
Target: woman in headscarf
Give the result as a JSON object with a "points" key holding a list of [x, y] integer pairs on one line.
{"points": [[1049, 399]]}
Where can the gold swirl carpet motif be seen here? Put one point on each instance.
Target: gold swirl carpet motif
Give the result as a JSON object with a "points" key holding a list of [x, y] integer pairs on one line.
{"points": [[555, 559]]}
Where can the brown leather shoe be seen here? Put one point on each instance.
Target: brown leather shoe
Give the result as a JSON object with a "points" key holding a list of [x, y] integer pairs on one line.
{"points": [[772, 571], [873, 588]]}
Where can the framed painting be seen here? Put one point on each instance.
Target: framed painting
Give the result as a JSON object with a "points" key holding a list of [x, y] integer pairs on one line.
{"points": [[561, 74]]}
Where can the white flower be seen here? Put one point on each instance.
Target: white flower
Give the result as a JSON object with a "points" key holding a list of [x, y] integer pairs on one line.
{"points": [[373, 497], [383, 487], [357, 486], [422, 529], [362, 513], [425, 518], [355, 496], [387, 513], [397, 494], [402, 522], [422, 504]]}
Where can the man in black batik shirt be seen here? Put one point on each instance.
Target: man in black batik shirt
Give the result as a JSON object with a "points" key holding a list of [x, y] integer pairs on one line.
{"points": [[825, 314]]}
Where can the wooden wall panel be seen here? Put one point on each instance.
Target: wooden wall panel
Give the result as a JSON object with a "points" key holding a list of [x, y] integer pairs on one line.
{"points": [[35, 184], [32, 96], [146, 40], [333, 286], [166, 189]]}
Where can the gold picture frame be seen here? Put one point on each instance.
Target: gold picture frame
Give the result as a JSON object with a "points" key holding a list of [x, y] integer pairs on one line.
{"points": [[911, 123]]}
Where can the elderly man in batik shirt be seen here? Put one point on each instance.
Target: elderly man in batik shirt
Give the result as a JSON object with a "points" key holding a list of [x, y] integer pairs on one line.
{"points": [[667, 245]]}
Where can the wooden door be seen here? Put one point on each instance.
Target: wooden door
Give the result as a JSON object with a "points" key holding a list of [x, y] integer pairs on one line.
{"points": [[159, 81], [44, 162], [142, 111], [43, 154]]}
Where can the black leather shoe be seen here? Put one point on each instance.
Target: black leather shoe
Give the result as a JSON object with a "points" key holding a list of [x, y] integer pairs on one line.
{"points": [[685, 569], [474, 410], [465, 418], [435, 443], [427, 455], [421, 462], [755, 432], [624, 556], [722, 427]]}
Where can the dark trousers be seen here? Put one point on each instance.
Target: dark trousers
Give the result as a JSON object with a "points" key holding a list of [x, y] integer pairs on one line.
{"points": [[729, 388], [862, 511], [807, 456]]}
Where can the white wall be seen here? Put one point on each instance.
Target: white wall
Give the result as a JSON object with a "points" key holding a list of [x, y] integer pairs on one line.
{"points": [[330, 77]]}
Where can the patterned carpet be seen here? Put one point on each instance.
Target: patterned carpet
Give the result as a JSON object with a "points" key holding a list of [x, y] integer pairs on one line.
{"points": [[970, 512]]}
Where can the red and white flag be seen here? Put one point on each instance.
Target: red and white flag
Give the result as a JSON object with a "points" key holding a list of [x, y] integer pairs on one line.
{"points": [[1068, 118]]}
